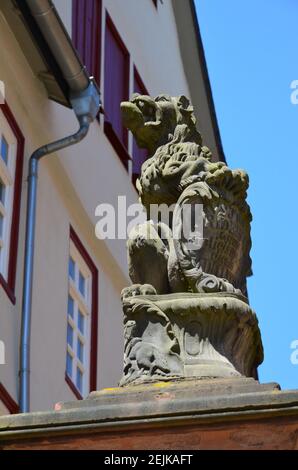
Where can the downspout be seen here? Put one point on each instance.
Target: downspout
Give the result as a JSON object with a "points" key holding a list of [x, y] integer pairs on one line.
{"points": [[86, 111], [85, 101]]}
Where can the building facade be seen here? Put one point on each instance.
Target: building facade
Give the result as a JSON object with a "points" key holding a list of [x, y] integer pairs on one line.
{"points": [[144, 46]]}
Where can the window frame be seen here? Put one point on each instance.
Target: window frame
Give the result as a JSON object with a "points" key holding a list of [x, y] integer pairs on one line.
{"points": [[121, 148], [93, 321], [88, 45], [95, 54], [9, 283]]}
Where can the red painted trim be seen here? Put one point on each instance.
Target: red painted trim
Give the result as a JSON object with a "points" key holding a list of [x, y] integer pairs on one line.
{"points": [[117, 144], [117, 37], [8, 401], [72, 387], [94, 313], [9, 292], [9, 284], [114, 31], [94, 332], [137, 78]]}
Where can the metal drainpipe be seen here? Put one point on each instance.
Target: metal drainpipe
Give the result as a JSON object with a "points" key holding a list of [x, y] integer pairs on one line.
{"points": [[86, 106], [56, 36]]}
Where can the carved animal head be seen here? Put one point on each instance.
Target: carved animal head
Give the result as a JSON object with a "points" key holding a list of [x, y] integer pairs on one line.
{"points": [[166, 126], [155, 121]]}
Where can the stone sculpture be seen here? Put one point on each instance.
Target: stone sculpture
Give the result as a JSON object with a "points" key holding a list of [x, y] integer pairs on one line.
{"points": [[187, 315]]}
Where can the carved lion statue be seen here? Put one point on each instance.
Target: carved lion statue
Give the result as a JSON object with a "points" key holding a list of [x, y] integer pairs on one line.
{"points": [[212, 256]]}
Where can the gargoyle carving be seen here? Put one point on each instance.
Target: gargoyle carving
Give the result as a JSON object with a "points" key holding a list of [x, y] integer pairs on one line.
{"points": [[180, 173]]}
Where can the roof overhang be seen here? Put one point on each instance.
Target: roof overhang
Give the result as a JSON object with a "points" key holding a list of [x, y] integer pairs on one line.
{"points": [[195, 68], [47, 46]]}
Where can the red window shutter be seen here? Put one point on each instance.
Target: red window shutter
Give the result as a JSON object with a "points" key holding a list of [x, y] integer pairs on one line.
{"points": [[116, 87], [86, 33], [139, 155]]}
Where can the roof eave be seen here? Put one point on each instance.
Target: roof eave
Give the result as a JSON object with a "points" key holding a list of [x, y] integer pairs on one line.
{"points": [[195, 65]]}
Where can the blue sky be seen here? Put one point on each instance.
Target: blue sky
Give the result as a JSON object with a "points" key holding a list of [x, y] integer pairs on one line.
{"points": [[251, 49]]}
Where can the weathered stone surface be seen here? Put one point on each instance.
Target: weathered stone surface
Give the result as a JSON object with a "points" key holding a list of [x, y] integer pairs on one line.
{"points": [[185, 335], [202, 248], [180, 173], [237, 413]]}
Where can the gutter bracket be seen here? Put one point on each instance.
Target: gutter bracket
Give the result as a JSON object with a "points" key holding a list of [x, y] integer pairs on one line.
{"points": [[86, 103]]}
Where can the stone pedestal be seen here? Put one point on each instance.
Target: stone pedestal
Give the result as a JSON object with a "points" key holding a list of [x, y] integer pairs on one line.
{"points": [[229, 413], [189, 335]]}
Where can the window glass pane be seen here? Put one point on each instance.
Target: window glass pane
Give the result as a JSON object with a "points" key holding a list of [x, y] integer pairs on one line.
{"points": [[70, 306], [79, 381], [81, 322], [69, 365], [4, 149], [71, 268], [80, 351], [82, 284], [69, 335], [2, 192]]}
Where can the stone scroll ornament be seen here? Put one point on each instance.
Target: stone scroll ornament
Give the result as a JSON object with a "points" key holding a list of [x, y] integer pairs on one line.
{"points": [[186, 314]]}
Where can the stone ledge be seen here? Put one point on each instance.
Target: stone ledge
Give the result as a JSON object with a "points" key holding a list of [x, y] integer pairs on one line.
{"points": [[181, 405]]}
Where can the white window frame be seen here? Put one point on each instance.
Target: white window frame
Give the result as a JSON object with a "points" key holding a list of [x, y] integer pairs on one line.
{"points": [[7, 176], [84, 304]]}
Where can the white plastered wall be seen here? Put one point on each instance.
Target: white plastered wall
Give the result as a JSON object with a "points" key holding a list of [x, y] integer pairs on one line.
{"points": [[71, 185]]}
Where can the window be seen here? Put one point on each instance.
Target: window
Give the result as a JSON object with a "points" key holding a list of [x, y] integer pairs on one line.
{"points": [[11, 168], [8, 149], [86, 34], [116, 89], [82, 307], [139, 155]]}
